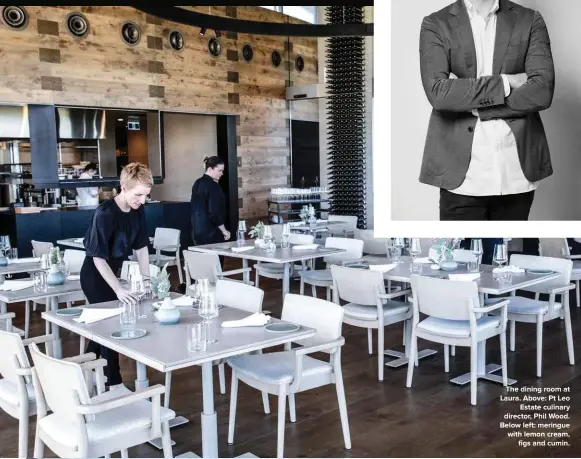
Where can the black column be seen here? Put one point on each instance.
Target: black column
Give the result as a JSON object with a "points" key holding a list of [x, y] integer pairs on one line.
{"points": [[227, 151], [43, 145]]}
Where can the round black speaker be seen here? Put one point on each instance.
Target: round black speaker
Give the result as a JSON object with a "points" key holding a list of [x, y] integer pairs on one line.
{"points": [[276, 58], [77, 25], [299, 63], [15, 17], [247, 53], [130, 33], [176, 40], [214, 46]]}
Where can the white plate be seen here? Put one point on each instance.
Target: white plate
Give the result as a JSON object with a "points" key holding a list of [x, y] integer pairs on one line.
{"points": [[129, 334], [281, 327]]}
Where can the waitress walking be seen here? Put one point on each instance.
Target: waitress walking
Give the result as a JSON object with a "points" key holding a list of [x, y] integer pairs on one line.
{"points": [[118, 228], [208, 205]]}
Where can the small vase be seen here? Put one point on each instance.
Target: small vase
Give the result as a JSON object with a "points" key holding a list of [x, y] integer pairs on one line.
{"points": [[167, 314], [55, 276], [448, 265]]}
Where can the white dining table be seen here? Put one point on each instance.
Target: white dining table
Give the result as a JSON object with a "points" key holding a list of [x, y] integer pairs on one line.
{"points": [[78, 242], [487, 284], [164, 348]]}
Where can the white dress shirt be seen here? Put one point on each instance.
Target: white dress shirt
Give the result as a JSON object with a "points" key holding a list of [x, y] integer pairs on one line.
{"points": [[495, 167], [87, 196]]}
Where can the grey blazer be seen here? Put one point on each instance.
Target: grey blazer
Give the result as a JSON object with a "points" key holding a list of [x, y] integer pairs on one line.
{"points": [[447, 46]]}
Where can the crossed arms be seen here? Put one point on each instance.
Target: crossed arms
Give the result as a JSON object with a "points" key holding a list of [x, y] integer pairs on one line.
{"points": [[465, 94]]}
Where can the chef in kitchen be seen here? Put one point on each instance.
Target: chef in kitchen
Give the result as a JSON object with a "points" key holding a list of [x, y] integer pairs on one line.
{"points": [[88, 196]]}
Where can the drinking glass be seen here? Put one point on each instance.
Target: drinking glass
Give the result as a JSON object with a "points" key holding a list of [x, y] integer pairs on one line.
{"points": [[39, 281], [415, 250], [240, 234], [45, 261], [196, 337], [208, 311], [12, 254], [394, 254], [268, 242], [128, 316], [399, 244], [286, 232], [203, 287], [194, 293], [500, 256], [477, 250], [138, 288]]}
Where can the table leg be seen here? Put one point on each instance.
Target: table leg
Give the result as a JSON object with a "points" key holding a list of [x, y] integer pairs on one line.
{"points": [[3, 307], [141, 382], [401, 358], [52, 304], [246, 275], [286, 280]]}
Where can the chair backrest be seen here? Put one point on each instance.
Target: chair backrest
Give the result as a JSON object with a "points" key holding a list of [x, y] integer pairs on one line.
{"points": [[371, 244], [62, 385], [130, 268], [560, 265], [239, 295], [323, 316], [75, 259], [165, 237], [296, 238], [200, 265], [12, 347], [40, 248], [349, 220], [353, 249], [276, 231], [443, 298], [553, 247], [359, 286], [464, 256]]}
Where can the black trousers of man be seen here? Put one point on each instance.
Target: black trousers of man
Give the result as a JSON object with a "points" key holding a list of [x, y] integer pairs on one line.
{"points": [[511, 207]]}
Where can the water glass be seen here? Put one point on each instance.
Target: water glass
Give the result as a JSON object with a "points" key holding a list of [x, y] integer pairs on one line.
{"points": [[241, 233], [500, 254], [415, 266], [39, 281], [128, 316], [394, 254], [196, 337], [12, 254], [45, 261]]}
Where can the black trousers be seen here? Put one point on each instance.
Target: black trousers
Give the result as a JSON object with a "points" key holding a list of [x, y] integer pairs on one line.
{"points": [[98, 291], [512, 207]]}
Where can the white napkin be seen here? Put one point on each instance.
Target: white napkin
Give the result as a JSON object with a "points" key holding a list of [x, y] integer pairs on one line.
{"points": [[295, 223], [254, 320], [511, 268], [74, 277], [24, 260], [242, 249], [91, 315], [79, 240], [305, 247], [183, 301], [424, 260], [382, 268], [14, 285], [464, 277]]}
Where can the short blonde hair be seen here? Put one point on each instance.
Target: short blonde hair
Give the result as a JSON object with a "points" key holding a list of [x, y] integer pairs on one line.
{"points": [[136, 174]]}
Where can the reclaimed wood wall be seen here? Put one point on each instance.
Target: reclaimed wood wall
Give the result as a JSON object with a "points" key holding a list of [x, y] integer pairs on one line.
{"points": [[44, 63]]}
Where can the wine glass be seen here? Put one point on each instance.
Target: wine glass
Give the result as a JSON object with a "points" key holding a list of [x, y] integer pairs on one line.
{"points": [[477, 250], [500, 255], [208, 310], [138, 288], [399, 244]]}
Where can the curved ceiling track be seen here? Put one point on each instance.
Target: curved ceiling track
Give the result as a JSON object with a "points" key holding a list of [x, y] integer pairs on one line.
{"points": [[195, 19]]}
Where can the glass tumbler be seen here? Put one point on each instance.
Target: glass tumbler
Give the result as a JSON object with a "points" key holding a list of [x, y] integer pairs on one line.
{"points": [[196, 337]]}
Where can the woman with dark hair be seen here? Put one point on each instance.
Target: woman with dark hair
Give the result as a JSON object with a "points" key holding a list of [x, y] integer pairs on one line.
{"points": [[208, 205]]}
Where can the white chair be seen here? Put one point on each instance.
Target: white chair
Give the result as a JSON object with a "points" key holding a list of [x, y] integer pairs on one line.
{"points": [[276, 270], [353, 251], [40, 248], [559, 248], [454, 319], [17, 395], [369, 306], [166, 240], [347, 229], [130, 268], [84, 426], [291, 371], [465, 256], [206, 265], [371, 244], [529, 310]]}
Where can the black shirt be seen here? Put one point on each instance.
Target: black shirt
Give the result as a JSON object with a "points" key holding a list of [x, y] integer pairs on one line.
{"points": [[208, 208], [114, 234]]}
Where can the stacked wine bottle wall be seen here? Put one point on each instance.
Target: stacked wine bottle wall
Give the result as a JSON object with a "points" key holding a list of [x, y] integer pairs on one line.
{"points": [[346, 117]]}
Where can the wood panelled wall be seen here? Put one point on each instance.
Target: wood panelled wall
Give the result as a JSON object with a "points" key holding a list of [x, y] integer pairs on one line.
{"points": [[45, 64]]}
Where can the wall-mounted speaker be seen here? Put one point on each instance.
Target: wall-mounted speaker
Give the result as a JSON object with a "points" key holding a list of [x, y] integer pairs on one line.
{"points": [[247, 53], [276, 58], [299, 63], [130, 33], [15, 17], [214, 47], [77, 25], [176, 40]]}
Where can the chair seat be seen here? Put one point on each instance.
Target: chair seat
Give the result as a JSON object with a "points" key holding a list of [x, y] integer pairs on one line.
{"points": [[457, 328], [319, 275], [163, 259], [107, 425], [391, 308], [576, 272], [277, 367], [72, 297], [522, 305], [9, 393], [274, 268]]}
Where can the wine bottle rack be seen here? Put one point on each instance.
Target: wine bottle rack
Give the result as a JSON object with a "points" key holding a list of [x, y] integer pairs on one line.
{"points": [[347, 165]]}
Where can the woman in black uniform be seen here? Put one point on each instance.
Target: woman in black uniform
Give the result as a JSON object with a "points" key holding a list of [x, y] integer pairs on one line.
{"points": [[208, 205], [118, 228]]}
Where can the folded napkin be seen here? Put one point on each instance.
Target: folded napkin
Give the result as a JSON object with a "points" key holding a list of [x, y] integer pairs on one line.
{"points": [[464, 277], [91, 315], [255, 320], [305, 247], [74, 277], [424, 260], [295, 223], [24, 260], [511, 269], [14, 285], [242, 249], [79, 240], [382, 268], [183, 301]]}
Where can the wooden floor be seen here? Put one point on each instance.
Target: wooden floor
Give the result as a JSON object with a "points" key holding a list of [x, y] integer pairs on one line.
{"points": [[432, 419]]}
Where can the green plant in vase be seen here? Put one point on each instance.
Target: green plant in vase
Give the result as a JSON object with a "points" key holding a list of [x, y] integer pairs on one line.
{"points": [[55, 275], [257, 231], [167, 314], [161, 284]]}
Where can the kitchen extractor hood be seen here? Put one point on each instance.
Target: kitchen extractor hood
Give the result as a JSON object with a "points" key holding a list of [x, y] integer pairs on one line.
{"points": [[80, 123], [14, 122], [306, 91]]}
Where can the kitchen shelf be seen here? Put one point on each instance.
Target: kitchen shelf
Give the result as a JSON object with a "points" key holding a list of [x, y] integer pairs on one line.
{"points": [[280, 213]]}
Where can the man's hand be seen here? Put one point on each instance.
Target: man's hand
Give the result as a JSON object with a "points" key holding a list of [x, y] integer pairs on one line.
{"points": [[516, 81]]}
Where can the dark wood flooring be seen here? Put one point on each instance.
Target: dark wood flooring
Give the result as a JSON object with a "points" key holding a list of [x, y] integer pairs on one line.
{"points": [[432, 419]]}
